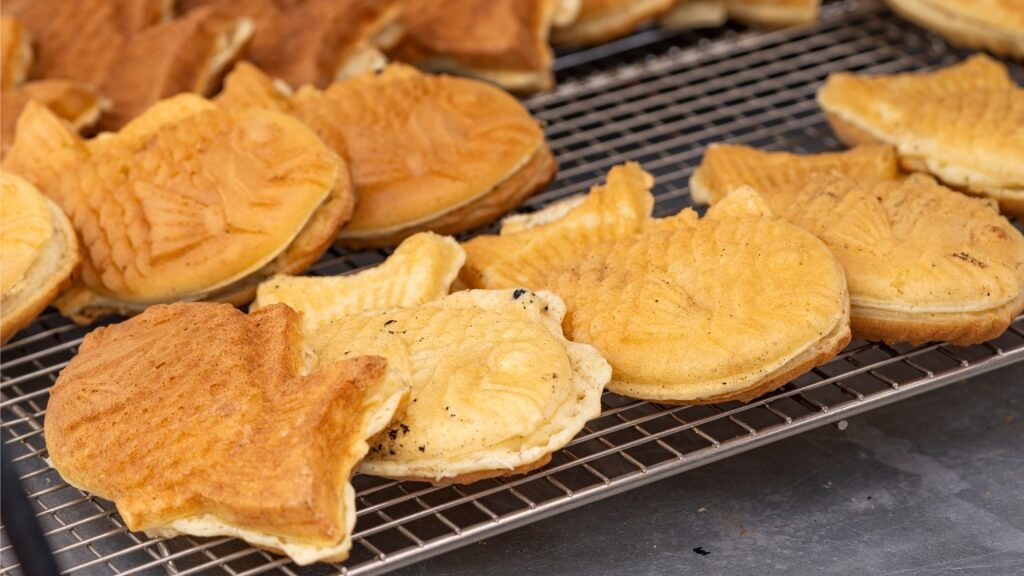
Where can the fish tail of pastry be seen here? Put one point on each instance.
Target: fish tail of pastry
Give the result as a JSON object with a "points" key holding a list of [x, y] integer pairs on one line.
{"points": [[44, 146]]}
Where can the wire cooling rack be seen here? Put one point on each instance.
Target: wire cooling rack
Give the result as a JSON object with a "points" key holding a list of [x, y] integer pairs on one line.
{"points": [[658, 98]]}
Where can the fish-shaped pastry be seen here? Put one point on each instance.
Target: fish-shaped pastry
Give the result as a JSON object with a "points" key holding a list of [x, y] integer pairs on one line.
{"points": [[195, 418], [427, 152], [766, 13], [496, 387], [190, 201], [686, 310], [501, 41], [80, 105], [601, 21], [130, 50], [923, 262], [312, 41], [963, 124], [994, 25], [38, 253]]}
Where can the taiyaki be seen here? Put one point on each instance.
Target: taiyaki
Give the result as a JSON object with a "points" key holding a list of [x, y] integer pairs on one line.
{"points": [[79, 104], [964, 124], [768, 13], [501, 41], [313, 41], [496, 386], [604, 20], [189, 201], [15, 54], [686, 310], [923, 262], [195, 418], [427, 152], [995, 25], [38, 253], [127, 49]]}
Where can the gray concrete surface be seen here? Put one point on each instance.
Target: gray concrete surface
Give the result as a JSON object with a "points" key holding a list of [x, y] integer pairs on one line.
{"points": [[930, 485]]}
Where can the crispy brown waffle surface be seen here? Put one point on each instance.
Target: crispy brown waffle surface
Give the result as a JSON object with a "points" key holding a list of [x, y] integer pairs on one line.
{"points": [[196, 418], [160, 222], [128, 49], [427, 152], [311, 41]]}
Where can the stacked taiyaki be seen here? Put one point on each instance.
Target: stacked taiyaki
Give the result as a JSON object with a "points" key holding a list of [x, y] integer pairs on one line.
{"points": [[496, 387], [312, 41], [189, 201], [603, 20], [923, 262], [127, 49], [502, 41], [427, 152], [690, 310], [995, 25], [964, 124]]}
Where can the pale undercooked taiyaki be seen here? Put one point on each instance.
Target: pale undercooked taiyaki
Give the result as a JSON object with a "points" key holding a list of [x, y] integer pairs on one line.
{"points": [[128, 49], [312, 41], [768, 13], [501, 41], [79, 104], [923, 262], [604, 20], [964, 124], [195, 418], [995, 25], [426, 152], [496, 387], [726, 307], [15, 54], [38, 253], [189, 201]]}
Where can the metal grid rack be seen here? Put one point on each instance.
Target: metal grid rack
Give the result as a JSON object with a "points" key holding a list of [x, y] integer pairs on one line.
{"points": [[613, 104]]}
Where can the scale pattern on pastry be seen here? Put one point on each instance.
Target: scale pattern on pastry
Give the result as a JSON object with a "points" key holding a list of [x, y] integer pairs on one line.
{"points": [[189, 201], [496, 386], [685, 309], [964, 124], [426, 152], [175, 415], [923, 262]]}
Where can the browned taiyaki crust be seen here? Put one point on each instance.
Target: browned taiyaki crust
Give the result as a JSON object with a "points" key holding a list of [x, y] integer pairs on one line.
{"points": [[79, 104], [312, 41], [189, 201], [195, 418], [126, 50], [427, 152]]}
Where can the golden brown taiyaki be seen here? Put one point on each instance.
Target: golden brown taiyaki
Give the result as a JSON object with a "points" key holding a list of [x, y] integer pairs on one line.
{"points": [[15, 54], [501, 41], [427, 152], [923, 262], [964, 124], [195, 418], [690, 310], [38, 253], [79, 104], [189, 201], [496, 386], [128, 50], [995, 25], [768, 13], [312, 41]]}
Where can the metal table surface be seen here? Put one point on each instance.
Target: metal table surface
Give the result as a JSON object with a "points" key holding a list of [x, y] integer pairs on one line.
{"points": [[930, 485]]}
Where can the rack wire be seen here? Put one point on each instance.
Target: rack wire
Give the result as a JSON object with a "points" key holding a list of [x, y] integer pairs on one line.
{"points": [[658, 98]]}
